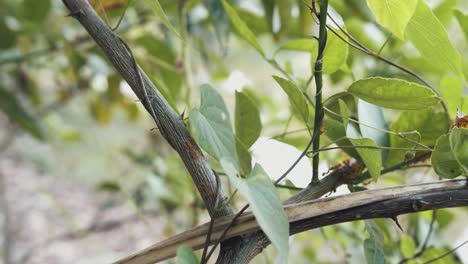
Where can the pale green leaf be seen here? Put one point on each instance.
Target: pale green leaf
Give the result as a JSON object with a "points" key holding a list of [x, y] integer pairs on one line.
{"points": [[444, 11], [212, 126], [185, 255], [247, 120], [334, 55], [407, 246], [451, 89], [301, 44], [265, 203], [428, 35], [394, 93], [372, 158], [159, 11], [296, 98], [372, 116], [242, 28], [393, 14], [463, 21], [373, 252], [429, 124], [450, 155]]}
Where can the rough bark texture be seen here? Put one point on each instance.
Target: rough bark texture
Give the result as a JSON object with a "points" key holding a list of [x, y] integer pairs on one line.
{"points": [[170, 124]]}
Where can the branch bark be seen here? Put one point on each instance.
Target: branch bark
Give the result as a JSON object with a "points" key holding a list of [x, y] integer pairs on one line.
{"points": [[388, 202], [170, 124]]}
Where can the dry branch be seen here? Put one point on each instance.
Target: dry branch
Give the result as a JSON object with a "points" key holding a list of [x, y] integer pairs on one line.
{"points": [[387, 202]]}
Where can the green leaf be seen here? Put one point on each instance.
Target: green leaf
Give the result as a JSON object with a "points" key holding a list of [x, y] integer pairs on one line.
{"points": [[301, 44], [219, 20], [450, 155], [269, 7], [344, 111], [394, 93], [242, 28], [159, 11], [247, 120], [185, 255], [428, 35], [429, 124], [36, 11], [296, 98], [245, 159], [212, 126], [17, 114], [8, 36], [393, 14], [334, 55], [336, 132], [265, 203], [407, 246], [444, 11], [371, 157], [373, 252], [451, 89], [463, 21]]}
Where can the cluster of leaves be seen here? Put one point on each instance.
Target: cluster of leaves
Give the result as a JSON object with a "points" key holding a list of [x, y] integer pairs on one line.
{"points": [[359, 113]]}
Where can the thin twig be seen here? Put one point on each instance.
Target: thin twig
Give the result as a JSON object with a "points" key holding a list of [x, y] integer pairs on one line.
{"points": [[446, 253]]}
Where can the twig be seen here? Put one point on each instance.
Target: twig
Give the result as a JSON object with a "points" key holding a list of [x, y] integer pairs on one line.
{"points": [[319, 113]]}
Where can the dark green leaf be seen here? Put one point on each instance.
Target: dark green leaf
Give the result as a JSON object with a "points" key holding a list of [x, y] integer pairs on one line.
{"points": [[394, 93], [296, 98], [8, 36], [17, 114], [450, 155], [373, 252], [247, 120], [36, 11]]}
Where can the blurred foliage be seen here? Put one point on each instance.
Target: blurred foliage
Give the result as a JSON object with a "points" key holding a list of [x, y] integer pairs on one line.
{"points": [[58, 87]]}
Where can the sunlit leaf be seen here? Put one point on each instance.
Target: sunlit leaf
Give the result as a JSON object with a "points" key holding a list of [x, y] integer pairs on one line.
{"points": [[344, 111], [451, 89], [428, 35], [444, 11], [394, 93], [16, 113], [463, 21], [242, 28], [334, 55], [407, 246], [265, 203], [393, 14], [186, 255], [372, 158], [296, 98], [302, 44], [450, 155]]}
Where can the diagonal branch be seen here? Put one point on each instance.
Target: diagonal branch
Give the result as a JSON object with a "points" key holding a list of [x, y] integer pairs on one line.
{"points": [[170, 124], [386, 202]]}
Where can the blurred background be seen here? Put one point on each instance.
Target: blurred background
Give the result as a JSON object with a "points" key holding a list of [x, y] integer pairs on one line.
{"points": [[85, 177]]}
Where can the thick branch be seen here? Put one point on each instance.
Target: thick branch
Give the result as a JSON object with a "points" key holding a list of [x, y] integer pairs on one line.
{"points": [[387, 202], [170, 124]]}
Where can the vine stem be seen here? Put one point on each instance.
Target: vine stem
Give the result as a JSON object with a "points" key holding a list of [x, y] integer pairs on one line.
{"points": [[322, 41]]}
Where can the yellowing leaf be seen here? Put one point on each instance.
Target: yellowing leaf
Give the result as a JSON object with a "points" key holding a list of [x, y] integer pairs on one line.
{"points": [[103, 6]]}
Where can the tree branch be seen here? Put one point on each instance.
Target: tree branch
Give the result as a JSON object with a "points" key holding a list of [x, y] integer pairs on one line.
{"points": [[388, 202], [170, 124]]}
